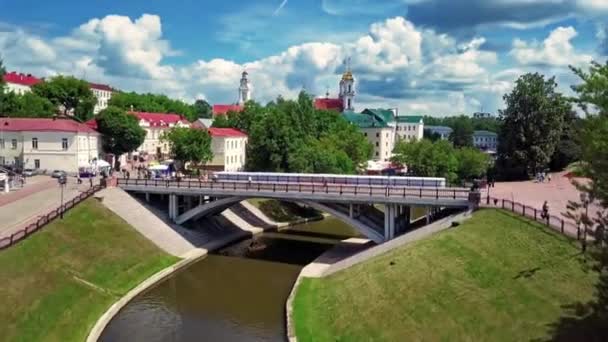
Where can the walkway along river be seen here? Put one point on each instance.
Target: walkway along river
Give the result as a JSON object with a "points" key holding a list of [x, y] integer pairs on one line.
{"points": [[235, 294]]}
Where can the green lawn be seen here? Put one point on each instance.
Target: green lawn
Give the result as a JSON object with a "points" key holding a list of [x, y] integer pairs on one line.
{"points": [[57, 283], [496, 277]]}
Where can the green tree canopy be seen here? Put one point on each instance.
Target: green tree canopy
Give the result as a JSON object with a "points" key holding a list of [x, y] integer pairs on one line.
{"points": [[532, 125], [462, 132], [72, 95], [153, 103], [203, 109], [120, 131], [2, 73], [568, 150], [189, 145], [427, 159], [472, 163]]}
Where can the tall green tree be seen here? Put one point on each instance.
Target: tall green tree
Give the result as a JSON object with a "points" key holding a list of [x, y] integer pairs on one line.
{"points": [[531, 126], [462, 132], [472, 163], [72, 95], [203, 109], [120, 131], [432, 136], [189, 145], [568, 150]]}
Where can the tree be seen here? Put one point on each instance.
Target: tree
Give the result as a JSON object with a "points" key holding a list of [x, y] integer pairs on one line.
{"points": [[430, 135], [32, 105], [189, 145], [428, 159], [531, 126], [203, 109], [472, 163], [152, 103], [568, 150], [120, 131], [72, 95], [462, 132], [221, 121]]}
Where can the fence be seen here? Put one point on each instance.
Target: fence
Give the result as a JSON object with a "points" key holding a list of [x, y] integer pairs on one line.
{"points": [[45, 219], [565, 227]]}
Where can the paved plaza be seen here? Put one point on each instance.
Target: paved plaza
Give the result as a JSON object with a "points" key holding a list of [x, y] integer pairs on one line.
{"points": [[557, 193]]}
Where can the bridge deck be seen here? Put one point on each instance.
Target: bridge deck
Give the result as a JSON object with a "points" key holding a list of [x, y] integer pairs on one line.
{"points": [[448, 197]]}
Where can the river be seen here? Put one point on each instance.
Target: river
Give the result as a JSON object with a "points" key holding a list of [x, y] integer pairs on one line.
{"points": [[235, 294]]}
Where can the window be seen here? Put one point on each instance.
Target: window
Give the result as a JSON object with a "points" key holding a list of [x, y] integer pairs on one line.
{"points": [[14, 144], [365, 133], [377, 144], [387, 135], [377, 154], [2, 144], [377, 135], [64, 144], [348, 103], [34, 143], [36, 163]]}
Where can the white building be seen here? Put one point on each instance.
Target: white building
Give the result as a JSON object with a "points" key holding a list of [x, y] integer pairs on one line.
{"points": [[229, 147], [409, 127], [155, 124], [103, 93], [47, 144], [377, 126], [485, 140], [20, 83]]}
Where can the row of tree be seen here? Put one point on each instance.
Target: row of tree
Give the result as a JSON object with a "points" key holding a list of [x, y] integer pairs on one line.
{"points": [[155, 103], [426, 158], [293, 136]]}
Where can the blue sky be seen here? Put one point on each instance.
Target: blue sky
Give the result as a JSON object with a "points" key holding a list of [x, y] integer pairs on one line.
{"points": [[434, 57]]}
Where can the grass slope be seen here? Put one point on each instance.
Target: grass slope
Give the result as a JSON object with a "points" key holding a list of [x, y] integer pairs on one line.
{"points": [[56, 284], [496, 277]]}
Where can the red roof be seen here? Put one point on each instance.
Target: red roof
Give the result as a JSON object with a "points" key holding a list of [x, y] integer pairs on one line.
{"points": [[100, 86], [331, 104], [23, 79], [220, 109], [160, 119], [43, 125], [225, 132], [92, 124]]}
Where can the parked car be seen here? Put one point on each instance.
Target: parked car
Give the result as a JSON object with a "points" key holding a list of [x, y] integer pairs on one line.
{"points": [[58, 174], [30, 172]]}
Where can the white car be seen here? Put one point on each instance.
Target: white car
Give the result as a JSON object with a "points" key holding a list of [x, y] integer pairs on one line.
{"points": [[30, 172]]}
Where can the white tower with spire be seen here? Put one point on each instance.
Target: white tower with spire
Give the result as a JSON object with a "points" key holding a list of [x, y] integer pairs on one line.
{"points": [[347, 88], [244, 89]]}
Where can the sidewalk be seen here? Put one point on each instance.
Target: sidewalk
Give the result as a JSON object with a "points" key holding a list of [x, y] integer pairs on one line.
{"points": [[20, 208]]}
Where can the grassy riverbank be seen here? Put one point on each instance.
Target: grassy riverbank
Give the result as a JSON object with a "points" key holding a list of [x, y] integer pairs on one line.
{"points": [[496, 277], [56, 284]]}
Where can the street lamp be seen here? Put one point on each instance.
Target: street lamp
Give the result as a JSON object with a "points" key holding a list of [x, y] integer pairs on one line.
{"points": [[62, 181]]}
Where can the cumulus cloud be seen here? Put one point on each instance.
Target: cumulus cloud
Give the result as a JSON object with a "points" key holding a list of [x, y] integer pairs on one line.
{"points": [[396, 64], [555, 50]]}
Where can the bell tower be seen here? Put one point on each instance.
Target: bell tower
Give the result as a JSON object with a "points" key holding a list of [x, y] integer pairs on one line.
{"points": [[244, 89], [347, 88]]}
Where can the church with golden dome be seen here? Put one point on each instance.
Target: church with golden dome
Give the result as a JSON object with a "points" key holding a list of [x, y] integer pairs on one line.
{"points": [[346, 97]]}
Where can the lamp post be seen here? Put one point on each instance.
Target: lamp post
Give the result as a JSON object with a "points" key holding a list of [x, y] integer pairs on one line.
{"points": [[61, 180]]}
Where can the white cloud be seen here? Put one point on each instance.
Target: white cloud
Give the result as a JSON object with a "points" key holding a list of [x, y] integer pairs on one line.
{"points": [[555, 50]]}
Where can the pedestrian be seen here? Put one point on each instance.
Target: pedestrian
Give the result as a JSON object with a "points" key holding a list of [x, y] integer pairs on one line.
{"points": [[549, 177], [128, 174], [91, 182], [78, 179], [545, 213]]}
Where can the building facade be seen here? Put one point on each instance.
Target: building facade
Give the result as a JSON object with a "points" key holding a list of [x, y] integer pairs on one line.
{"points": [[103, 93], [485, 140], [409, 127], [47, 144], [244, 89], [229, 147], [443, 131], [19, 83], [346, 95], [378, 128], [155, 125]]}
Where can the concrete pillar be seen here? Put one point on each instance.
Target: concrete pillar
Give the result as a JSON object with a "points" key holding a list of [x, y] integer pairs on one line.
{"points": [[173, 212], [7, 188], [386, 223], [391, 230], [147, 197], [200, 200], [428, 215], [350, 210], [188, 203]]}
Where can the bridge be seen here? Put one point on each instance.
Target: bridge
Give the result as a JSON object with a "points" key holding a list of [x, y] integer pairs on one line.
{"points": [[356, 205]]}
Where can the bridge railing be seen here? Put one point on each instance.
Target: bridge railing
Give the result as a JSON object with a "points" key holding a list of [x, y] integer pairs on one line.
{"points": [[308, 188]]}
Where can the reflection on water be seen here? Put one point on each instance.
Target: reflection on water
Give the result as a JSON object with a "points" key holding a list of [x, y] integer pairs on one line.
{"points": [[221, 298]]}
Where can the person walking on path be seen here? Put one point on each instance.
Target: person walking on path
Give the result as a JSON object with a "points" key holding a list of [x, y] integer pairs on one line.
{"points": [[549, 178], [545, 213]]}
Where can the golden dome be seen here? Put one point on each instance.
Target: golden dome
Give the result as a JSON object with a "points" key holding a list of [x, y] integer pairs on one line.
{"points": [[347, 76]]}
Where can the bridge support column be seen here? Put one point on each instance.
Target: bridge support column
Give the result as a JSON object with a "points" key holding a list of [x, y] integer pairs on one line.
{"points": [[147, 197], [173, 212], [389, 221], [428, 215], [350, 210]]}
